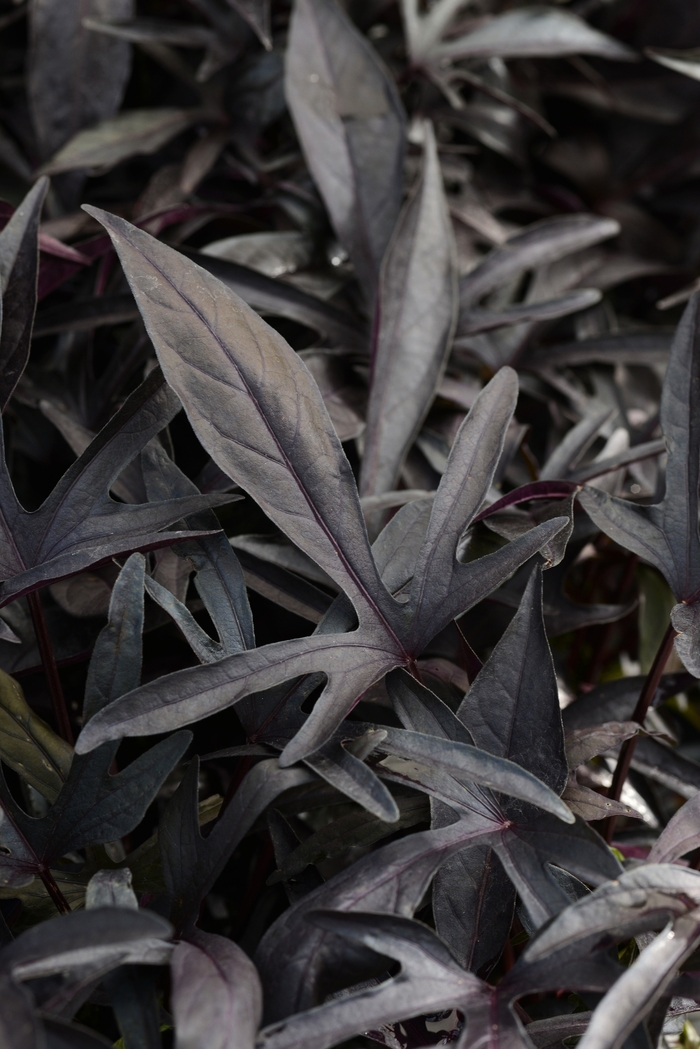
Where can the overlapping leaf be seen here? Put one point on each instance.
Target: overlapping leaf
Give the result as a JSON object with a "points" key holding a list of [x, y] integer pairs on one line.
{"points": [[78, 525], [259, 385], [666, 533], [350, 121]]}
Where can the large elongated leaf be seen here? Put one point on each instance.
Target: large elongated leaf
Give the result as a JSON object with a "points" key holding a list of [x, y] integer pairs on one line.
{"points": [[350, 121], [107, 936], [115, 667], [666, 534], [512, 709], [78, 525], [416, 313], [76, 77], [19, 265], [429, 981], [536, 31], [680, 836], [216, 994], [235, 375], [123, 136], [634, 995], [542, 242], [296, 962]]}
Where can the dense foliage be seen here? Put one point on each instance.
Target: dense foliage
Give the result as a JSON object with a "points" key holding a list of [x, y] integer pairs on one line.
{"points": [[350, 372]]}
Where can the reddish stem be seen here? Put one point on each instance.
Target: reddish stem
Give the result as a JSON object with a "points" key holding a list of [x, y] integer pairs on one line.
{"points": [[61, 903], [627, 749], [58, 700]]}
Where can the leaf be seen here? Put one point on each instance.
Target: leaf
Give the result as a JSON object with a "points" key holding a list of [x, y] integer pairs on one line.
{"points": [[28, 745], [132, 991], [93, 807], [115, 666], [218, 575], [535, 32], [640, 899], [617, 348], [685, 62], [111, 889], [465, 761], [292, 462], [640, 987], [357, 829], [586, 743], [299, 964], [680, 835], [19, 264], [270, 395], [416, 313], [512, 709], [257, 14], [78, 526], [75, 78], [475, 321], [270, 296], [538, 244], [429, 980], [106, 937], [274, 253], [216, 994], [685, 619], [351, 125], [616, 700], [590, 805], [666, 533], [128, 134], [191, 863], [574, 444]]}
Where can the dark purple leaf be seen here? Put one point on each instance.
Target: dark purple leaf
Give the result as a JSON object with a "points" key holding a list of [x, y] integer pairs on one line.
{"points": [[416, 309], [19, 263], [296, 961], [216, 994], [475, 321], [105, 936], [680, 836], [512, 709], [430, 980], [115, 667], [350, 121], [257, 13], [226, 385], [93, 807], [537, 31], [125, 135], [544, 489], [666, 534], [78, 525], [76, 78], [541, 243]]}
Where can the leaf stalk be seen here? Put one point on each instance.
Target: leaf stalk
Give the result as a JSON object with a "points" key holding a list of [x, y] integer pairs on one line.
{"points": [[627, 749], [58, 701]]}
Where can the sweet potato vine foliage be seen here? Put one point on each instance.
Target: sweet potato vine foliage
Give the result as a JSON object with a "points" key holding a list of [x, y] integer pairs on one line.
{"points": [[349, 539]]}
